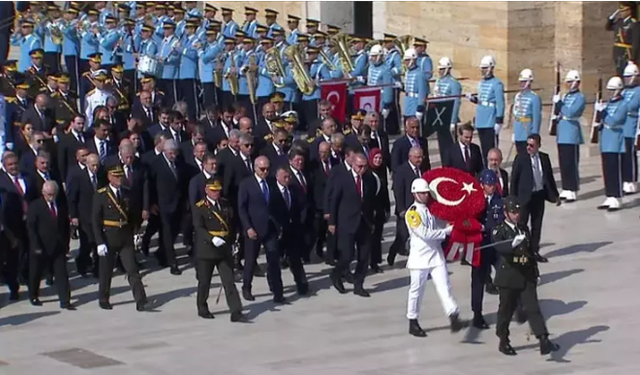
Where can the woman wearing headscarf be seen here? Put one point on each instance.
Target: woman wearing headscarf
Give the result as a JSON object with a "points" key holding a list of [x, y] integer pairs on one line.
{"points": [[382, 206]]}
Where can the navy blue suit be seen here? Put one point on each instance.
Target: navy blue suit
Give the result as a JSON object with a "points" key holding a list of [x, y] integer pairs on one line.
{"points": [[400, 152]]}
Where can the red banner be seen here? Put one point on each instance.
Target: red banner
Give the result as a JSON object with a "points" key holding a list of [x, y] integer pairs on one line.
{"points": [[367, 99], [336, 93]]}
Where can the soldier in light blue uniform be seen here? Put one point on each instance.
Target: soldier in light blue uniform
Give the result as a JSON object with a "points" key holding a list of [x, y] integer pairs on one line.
{"points": [[109, 44], [261, 32], [229, 68], [610, 121], [250, 23], [271, 16], [336, 73], [147, 46], [128, 48], [209, 57], [71, 46], [52, 51], [280, 42], [293, 22], [89, 42], [490, 106], [312, 28], [379, 74], [317, 71], [415, 87], [424, 60], [527, 112], [101, 6], [27, 41], [289, 90], [192, 8], [229, 26], [631, 96], [569, 135], [139, 17], [188, 72], [394, 61], [209, 14], [180, 21], [265, 81], [169, 58], [246, 58], [360, 63], [447, 85]]}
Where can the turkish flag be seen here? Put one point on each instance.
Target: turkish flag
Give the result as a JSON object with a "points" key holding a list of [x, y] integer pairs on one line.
{"points": [[336, 94], [367, 99]]}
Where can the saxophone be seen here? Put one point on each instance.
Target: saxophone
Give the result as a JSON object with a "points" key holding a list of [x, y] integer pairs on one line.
{"points": [[273, 62], [252, 79], [233, 78], [217, 73], [301, 76]]}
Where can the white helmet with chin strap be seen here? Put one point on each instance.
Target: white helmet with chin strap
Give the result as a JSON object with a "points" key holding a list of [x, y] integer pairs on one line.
{"points": [[410, 54], [526, 75], [445, 63], [376, 50], [487, 62], [572, 77], [419, 185], [615, 84], [630, 74]]}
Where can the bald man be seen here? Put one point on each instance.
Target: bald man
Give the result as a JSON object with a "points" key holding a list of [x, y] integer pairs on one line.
{"points": [[265, 125]]}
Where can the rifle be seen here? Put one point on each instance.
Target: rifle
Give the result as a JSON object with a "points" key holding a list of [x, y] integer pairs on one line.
{"points": [[555, 109], [597, 116]]}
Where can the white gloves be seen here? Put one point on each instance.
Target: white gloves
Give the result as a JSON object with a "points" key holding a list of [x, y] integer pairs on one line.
{"points": [[385, 112], [513, 138], [419, 116], [614, 14], [496, 128], [452, 128], [10, 145], [217, 241], [360, 79], [468, 95], [448, 229], [556, 98], [517, 240], [102, 250], [596, 124], [600, 106], [397, 85]]}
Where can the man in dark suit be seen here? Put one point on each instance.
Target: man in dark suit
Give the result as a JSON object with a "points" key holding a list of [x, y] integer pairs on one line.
{"points": [[464, 155], [48, 228], [327, 129], [401, 146], [81, 186], [324, 110], [301, 181], [146, 112], [101, 143], [259, 228], [28, 158], [39, 115], [379, 138], [176, 128], [228, 153], [320, 171], [239, 168], [198, 182], [216, 131], [165, 117], [351, 219], [532, 182], [276, 149], [494, 162], [403, 176], [187, 145], [42, 172], [69, 144], [170, 181], [265, 124], [194, 166], [153, 224]]}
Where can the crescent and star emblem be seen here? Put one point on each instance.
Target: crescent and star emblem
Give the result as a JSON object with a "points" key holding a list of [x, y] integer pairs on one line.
{"points": [[466, 187]]}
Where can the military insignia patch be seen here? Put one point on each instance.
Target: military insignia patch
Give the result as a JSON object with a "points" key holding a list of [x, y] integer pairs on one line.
{"points": [[495, 231], [311, 140], [413, 218]]}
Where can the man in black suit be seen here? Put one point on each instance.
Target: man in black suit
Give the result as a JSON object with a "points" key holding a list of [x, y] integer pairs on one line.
{"points": [[327, 129], [176, 128], [135, 180], [69, 144], [153, 224], [48, 228], [265, 124], [170, 181], [464, 155], [194, 166], [146, 112], [226, 155], [259, 228], [39, 115], [325, 109], [532, 182], [401, 146], [239, 168], [301, 181], [403, 176], [28, 158], [165, 117], [379, 138], [81, 186], [101, 143], [276, 149], [320, 171], [42, 172], [351, 219], [217, 130], [186, 147], [494, 162]]}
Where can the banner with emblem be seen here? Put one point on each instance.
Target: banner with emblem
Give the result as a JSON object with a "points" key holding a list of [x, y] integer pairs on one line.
{"points": [[368, 99], [336, 94], [438, 116]]}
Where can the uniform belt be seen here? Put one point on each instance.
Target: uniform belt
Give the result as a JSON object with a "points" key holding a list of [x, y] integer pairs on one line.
{"points": [[218, 233], [571, 118], [114, 223], [632, 114], [523, 119], [488, 104], [623, 45], [520, 260], [411, 94]]}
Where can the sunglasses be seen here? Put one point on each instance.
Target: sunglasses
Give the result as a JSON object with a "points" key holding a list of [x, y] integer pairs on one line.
{"points": [[263, 169], [531, 145], [249, 145], [39, 140]]}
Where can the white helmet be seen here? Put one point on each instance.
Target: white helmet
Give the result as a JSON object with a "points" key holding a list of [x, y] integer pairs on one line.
{"points": [[419, 185], [487, 62], [375, 50], [631, 70], [526, 75], [445, 63], [615, 83], [572, 76], [410, 54]]}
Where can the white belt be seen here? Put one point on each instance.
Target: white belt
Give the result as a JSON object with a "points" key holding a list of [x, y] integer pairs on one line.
{"points": [[632, 114], [412, 94], [488, 104], [571, 118]]}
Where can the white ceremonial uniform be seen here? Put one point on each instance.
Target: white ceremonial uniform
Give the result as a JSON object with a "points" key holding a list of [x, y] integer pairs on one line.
{"points": [[95, 98], [426, 258]]}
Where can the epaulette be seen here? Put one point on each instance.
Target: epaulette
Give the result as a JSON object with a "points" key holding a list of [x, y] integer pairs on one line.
{"points": [[268, 137], [160, 92], [318, 133], [201, 203], [90, 92], [10, 99], [311, 139], [102, 190], [412, 208], [346, 131], [137, 94], [86, 74], [55, 94]]}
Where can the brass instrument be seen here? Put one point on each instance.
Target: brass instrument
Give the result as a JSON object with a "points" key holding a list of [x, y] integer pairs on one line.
{"points": [[372, 43], [327, 60], [56, 32], [252, 79], [301, 76], [403, 43], [273, 62], [344, 52], [217, 74], [233, 78]]}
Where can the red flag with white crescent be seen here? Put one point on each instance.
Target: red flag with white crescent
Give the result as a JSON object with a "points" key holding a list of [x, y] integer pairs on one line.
{"points": [[336, 94], [367, 99]]}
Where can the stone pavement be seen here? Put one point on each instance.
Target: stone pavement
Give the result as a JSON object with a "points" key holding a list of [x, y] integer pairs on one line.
{"points": [[587, 293]]}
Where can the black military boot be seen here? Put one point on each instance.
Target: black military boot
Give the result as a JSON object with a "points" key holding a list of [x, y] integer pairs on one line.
{"points": [[415, 329], [505, 348], [479, 322], [546, 346], [456, 323]]}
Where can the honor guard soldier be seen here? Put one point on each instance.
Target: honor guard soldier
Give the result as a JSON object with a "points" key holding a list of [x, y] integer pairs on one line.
{"points": [[415, 87], [517, 277], [379, 74], [65, 105], [121, 88], [27, 41], [87, 82], [71, 45], [293, 22], [13, 111], [426, 258], [626, 40], [447, 85], [490, 106], [89, 41], [229, 26], [7, 78], [393, 60], [569, 136], [360, 62], [96, 97], [631, 96], [188, 71], [613, 116], [210, 58], [212, 221], [527, 112], [250, 23], [424, 60], [169, 58], [113, 232]]}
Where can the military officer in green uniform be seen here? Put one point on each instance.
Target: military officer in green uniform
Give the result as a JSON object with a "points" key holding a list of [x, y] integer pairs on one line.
{"points": [[517, 278], [212, 221], [114, 236]]}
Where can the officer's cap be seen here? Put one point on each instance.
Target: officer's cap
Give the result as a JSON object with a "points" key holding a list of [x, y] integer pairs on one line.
{"points": [[117, 68], [161, 6], [488, 177], [277, 97], [332, 29], [240, 34], [73, 10], [36, 53], [210, 8], [96, 57], [262, 28], [110, 19], [389, 37], [303, 38], [211, 31], [147, 78], [99, 75], [313, 49], [64, 78], [214, 184], [320, 34], [10, 65], [277, 32], [249, 10], [226, 11], [290, 117], [312, 22], [266, 40], [191, 24], [21, 82], [150, 4], [147, 28], [169, 25], [420, 42], [279, 123], [52, 76], [357, 39], [228, 40], [53, 7], [248, 39], [140, 4], [115, 170], [171, 7], [124, 7], [178, 10], [292, 18], [512, 204], [129, 22], [270, 13], [359, 115], [92, 12], [26, 23]]}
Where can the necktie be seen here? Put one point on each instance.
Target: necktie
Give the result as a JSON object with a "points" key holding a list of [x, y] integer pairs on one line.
{"points": [[378, 143], [80, 138], [327, 167], [499, 185], [265, 190], [287, 197], [173, 169], [247, 162], [16, 181], [467, 156], [302, 181], [52, 209], [46, 176], [359, 185], [118, 195], [103, 151], [94, 181], [537, 174], [416, 171], [413, 142], [129, 175], [177, 137]]}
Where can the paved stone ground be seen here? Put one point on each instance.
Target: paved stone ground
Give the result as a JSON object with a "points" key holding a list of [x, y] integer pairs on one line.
{"points": [[587, 294]]}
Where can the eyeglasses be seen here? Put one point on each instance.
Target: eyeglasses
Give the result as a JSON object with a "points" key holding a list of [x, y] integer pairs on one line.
{"points": [[39, 140], [532, 145], [248, 145], [263, 169]]}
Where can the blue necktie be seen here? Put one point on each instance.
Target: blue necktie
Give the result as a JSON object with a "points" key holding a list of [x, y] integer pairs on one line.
{"points": [[287, 197], [103, 151], [265, 190]]}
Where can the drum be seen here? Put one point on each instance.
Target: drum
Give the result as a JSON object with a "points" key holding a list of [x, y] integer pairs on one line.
{"points": [[148, 65]]}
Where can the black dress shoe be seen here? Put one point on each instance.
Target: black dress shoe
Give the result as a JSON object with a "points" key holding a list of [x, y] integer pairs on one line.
{"points": [[68, 306], [206, 315], [303, 289], [238, 317], [415, 329], [337, 283], [479, 322], [280, 300], [106, 306], [14, 295], [35, 302], [49, 280], [246, 294], [175, 270], [506, 348], [391, 260], [456, 324], [257, 271], [539, 258], [349, 278], [360, 291], [376, 269], [547, 346], [491, 289], [141, 306]]}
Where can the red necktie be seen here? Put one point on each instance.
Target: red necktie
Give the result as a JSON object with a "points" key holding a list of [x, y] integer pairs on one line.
{"points": [[359, 185], [499, 185], [16, 181], [327, 167], [52, 209], [467, 156], [302, 183]]}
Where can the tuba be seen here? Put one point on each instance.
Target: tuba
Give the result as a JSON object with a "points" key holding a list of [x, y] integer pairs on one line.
{"points": [[403, 43], [233, 79], [327, 60], [273, 62], [344, 52], [301, 76]]}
